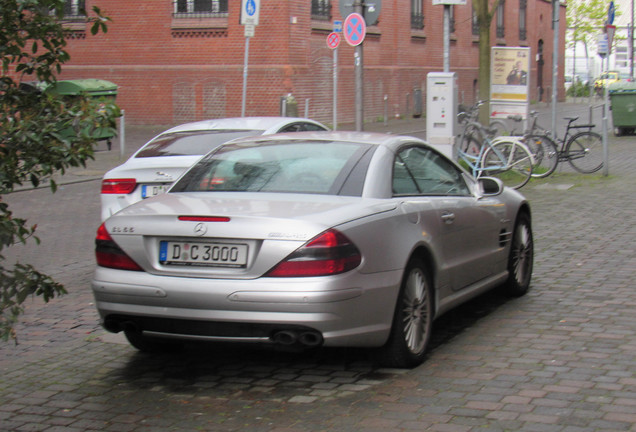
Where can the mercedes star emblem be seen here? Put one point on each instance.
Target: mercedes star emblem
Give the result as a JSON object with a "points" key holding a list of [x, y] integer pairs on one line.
{"points": [[200, 229]]}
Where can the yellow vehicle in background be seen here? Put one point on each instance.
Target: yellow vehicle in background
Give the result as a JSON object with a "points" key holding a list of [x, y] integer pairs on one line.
{"points": [[604, 80]]}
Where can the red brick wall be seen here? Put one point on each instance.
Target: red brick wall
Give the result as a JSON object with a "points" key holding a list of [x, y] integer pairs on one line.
{"points": [[169, 76]]}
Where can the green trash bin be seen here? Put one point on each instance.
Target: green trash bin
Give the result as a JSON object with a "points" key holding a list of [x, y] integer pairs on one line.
{"points": [[94, 88], [622, 96]]}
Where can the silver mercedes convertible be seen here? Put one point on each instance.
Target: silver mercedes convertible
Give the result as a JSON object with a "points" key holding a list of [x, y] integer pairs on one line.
{"points": [[311, 239]]}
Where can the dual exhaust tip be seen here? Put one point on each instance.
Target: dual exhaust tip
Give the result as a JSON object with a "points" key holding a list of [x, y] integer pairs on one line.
{"points": [[306, 338], [303, 338]]}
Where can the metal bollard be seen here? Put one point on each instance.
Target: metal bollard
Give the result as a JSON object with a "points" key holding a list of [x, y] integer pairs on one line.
{"points": [[386, 110], [122, 134]]}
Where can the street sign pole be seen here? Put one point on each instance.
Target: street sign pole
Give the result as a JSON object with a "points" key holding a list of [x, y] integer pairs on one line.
{"points": [[447, 38], [335, 89], [609, 29], [245, 67], [333, 41], [630, 48], [250, 10], [370, 12], [358, 6], [556, 11], [446, 28], [337, 29]]}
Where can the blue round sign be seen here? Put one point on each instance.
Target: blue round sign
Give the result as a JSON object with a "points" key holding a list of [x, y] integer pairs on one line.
{"points": [[250, 7]]}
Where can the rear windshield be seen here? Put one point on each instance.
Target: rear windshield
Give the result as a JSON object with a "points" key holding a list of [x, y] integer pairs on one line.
{"points": [[191, 143], [292, 167]]}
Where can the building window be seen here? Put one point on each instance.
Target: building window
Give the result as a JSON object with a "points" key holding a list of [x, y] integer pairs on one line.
{"points": [[475, 24], [523, 5], [197, 8], [321, 10], [451, 21], [74, 9], [417, 15], [500, 19]]}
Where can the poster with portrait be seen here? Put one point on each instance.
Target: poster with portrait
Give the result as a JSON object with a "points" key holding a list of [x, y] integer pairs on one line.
{"points": [[509, 81]]}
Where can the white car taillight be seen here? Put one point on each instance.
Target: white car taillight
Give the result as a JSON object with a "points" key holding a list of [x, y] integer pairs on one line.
{"points": [[118, 186]]}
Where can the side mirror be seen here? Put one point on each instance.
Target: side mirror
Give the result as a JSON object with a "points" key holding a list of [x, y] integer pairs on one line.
{"points": [[490, 186]]}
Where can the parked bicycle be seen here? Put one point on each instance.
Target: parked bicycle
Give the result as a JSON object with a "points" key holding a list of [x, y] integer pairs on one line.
{"points": [[506, 158], [583, 149], [469, 139]]}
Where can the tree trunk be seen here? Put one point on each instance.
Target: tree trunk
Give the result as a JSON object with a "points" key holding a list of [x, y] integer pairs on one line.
{"points": [[484, 19], [484, 73]]}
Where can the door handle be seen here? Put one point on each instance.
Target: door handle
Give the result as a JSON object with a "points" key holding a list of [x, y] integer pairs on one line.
{"points": [[448, 217]]}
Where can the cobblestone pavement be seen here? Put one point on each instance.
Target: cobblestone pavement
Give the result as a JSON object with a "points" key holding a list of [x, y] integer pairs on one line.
{"points": [[561, 358]]}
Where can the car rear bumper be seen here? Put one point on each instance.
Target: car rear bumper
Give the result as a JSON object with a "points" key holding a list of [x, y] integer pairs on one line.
{"points": [[352, 309]]}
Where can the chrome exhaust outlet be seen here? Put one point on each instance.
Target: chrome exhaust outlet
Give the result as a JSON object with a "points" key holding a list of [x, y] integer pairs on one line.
{"points": [[285, 337], [310, 339]]}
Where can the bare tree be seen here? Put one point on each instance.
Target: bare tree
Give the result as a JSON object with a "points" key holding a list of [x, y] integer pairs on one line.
{"points": [[484, 11]]}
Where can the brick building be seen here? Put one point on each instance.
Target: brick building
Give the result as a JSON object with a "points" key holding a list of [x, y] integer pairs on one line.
{"points": [[183, 60]]}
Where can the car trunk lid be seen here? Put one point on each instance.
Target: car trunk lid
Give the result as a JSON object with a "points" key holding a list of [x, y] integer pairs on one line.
{"points": [[260, 229]]}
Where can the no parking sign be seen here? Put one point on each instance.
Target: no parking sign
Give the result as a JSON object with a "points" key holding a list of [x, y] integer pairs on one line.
{"points": [[333, 40], [354, 29]]}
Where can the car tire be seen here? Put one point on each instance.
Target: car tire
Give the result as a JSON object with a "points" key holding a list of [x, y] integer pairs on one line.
{"points": [[149, 344], [520, 259], [412, 320]]}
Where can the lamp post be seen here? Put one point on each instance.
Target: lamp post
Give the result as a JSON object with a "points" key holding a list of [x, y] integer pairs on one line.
{"points": [[556, 4], [630, 44]]}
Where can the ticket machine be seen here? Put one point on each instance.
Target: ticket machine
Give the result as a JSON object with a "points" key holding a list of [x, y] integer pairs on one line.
{"points": [[441, 111]]}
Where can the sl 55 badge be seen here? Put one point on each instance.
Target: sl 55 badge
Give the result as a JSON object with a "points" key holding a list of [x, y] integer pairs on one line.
{"points": [[123, 230]]}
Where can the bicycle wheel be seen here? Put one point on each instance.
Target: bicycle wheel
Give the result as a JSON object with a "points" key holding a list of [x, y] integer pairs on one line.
{"points": [[509, 161], [585, 152], [545, 152]]}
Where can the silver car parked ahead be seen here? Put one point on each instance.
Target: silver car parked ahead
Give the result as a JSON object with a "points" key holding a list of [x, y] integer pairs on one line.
{"points": [[310, 239]]}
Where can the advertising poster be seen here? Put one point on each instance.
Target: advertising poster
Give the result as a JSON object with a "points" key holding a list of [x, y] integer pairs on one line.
{"points": [[509, 81]]}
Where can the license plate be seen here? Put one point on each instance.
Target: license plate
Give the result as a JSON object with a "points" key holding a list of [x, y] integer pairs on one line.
{"points": [[148, 191], [203, 254]]}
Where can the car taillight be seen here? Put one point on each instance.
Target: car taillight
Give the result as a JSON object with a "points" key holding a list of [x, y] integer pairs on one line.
{"points": [[118, 186], [330, 253], [108, 254]]}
